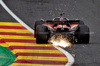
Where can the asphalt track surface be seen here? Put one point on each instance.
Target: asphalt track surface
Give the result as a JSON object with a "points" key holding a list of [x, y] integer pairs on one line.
{"points": [[86, 10]]}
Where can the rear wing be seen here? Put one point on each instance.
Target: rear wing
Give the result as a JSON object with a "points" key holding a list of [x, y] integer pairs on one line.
{"points": [[62, 22]]}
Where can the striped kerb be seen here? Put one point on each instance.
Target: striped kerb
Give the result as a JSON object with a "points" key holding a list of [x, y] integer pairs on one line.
{"points": [[22, 43]]}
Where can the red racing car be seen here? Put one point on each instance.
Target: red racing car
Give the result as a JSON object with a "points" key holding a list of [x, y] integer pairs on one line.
{"points": [[75, 30]]}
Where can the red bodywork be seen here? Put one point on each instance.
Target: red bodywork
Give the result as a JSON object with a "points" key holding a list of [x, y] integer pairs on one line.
{"points": [[61, 26]]}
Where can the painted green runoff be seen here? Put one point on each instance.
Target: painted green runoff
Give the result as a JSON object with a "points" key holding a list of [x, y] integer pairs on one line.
{"points": [[6, 56]]}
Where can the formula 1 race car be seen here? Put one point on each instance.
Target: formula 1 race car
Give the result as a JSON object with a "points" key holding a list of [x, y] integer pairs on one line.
{"points": [[75, 30]]}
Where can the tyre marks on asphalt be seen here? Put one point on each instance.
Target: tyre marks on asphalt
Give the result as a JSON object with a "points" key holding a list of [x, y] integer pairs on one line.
{"points": [[23, 44]]}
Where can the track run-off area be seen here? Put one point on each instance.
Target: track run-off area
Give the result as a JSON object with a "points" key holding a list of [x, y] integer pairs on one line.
{"points": [[23, 45]]}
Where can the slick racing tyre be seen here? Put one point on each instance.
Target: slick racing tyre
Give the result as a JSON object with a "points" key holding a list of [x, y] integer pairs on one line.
{"points": [[35, 26], [82, 34], [81, 22], [42, 34]]}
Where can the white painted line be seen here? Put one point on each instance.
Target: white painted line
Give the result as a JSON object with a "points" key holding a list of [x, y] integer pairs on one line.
{"points": [[68, 55], [15, 17]]}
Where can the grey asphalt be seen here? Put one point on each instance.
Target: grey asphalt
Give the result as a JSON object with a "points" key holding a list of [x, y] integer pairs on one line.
{"points": [[4, 16], [86, 10]]}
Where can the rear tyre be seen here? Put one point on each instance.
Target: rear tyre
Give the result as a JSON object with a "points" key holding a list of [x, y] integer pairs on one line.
{"points": [[42, 34], [35, 25], [81, 22], [83, 34], [86, 39]]}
